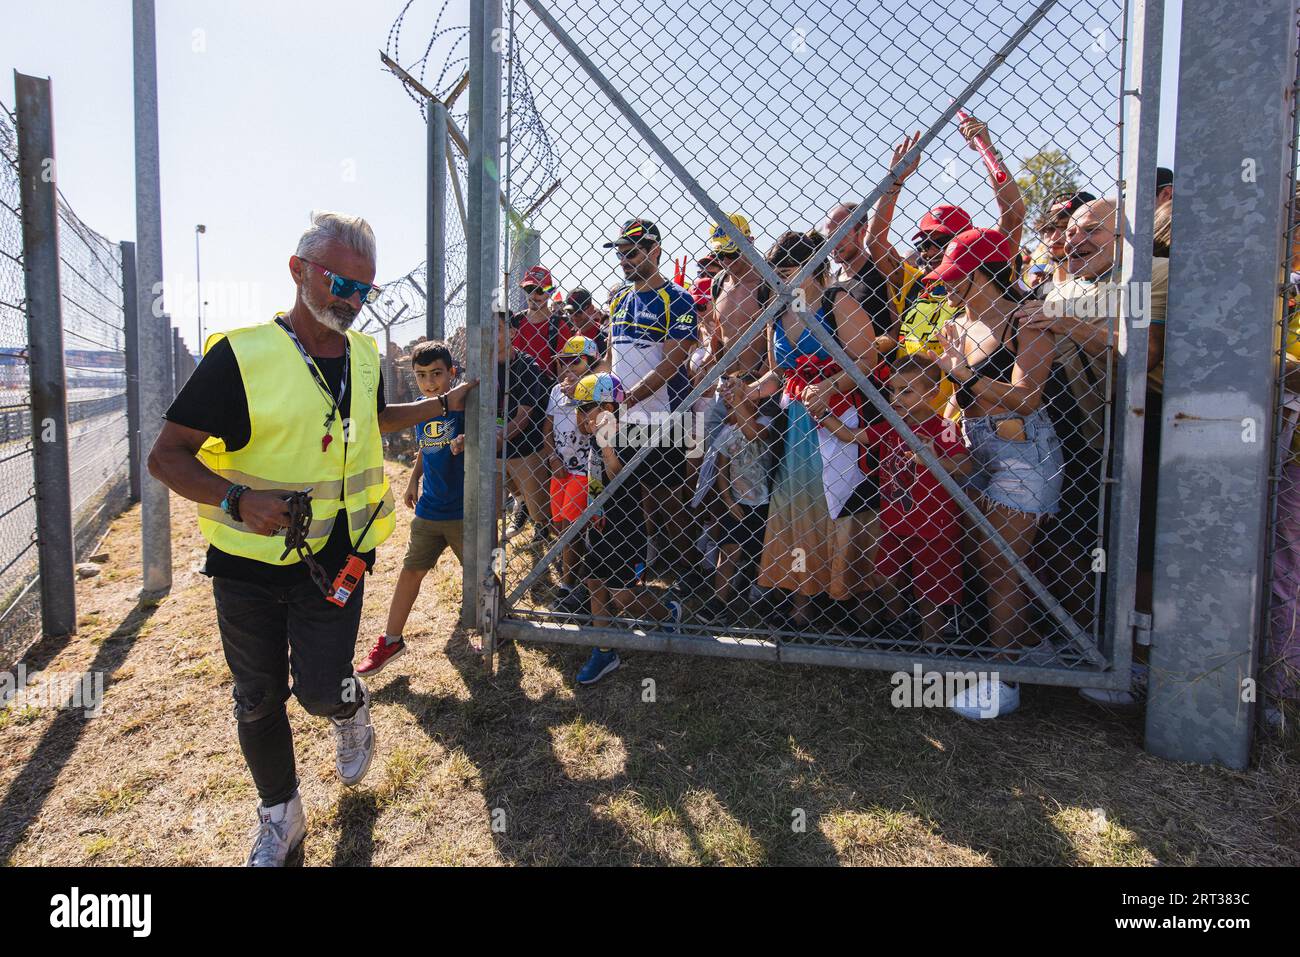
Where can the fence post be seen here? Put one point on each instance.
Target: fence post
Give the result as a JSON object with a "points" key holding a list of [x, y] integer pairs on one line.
{"points": [[152, 331], [483, 236], [38, 188], [1136, 220], [1232, 149], [131, 318], [435, 288]]}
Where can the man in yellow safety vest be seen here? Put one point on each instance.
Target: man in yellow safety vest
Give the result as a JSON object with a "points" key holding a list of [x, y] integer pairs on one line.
{"points": [[277, 437]]}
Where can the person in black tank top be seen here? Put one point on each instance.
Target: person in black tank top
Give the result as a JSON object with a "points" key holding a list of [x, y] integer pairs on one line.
{"points": [[1002, 372]]}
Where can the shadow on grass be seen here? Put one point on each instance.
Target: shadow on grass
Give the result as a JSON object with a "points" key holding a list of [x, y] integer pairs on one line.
{"points": [[741, 762], [357, 814], [676, 755], [30, 789]]}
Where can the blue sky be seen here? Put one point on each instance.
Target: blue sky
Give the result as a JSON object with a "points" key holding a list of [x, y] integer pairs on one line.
{"points": [[269, 110]]}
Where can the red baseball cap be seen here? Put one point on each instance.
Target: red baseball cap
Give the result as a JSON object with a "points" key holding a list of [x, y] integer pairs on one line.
{"points": [[944, 218], [538, 276], [974, 247]]}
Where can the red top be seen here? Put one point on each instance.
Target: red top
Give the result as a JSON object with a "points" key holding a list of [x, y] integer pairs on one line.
{"points": [[531, 337], [912, 502]]}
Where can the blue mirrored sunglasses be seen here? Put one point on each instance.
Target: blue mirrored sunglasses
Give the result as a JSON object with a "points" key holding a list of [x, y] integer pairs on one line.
{"points": [[345, 288]]}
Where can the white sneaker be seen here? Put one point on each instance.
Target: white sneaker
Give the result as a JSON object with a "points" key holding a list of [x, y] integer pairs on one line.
{"points": [[279, 834], [985, 699], [354, 741], [1120, 699]]}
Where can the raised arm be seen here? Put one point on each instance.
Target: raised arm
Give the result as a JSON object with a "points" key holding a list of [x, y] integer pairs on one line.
{"points": [[1011, 204], [879, 246]]}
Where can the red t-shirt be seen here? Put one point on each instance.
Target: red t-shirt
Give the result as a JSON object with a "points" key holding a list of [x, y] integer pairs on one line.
{"points": [[912, 502], [534, 339]]}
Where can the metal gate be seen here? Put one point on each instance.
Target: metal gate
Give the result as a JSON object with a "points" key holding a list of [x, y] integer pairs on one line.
{"points": [[838, 534]]}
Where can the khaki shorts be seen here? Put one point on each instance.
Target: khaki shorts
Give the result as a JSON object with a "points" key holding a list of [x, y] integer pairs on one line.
{"points": [[429, 539]]}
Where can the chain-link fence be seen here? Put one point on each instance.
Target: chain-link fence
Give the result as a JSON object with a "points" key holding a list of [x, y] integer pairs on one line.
{"points": [[17, 495], [400, 318], [94, 312], [1279, 665], [854, 267], [94, 331]]}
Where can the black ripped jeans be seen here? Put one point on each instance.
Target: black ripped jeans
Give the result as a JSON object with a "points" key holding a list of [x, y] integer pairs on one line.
{"points": [[270, 632]]}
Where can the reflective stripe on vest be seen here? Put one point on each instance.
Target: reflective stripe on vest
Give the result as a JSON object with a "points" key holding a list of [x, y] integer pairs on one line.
{"points": [[286, 415]]}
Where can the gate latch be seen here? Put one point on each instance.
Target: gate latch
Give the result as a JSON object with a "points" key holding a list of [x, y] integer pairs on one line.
{"points": [[1140, 622]]}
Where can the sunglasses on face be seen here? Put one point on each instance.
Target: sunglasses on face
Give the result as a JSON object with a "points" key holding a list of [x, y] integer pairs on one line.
{"points": [[585, 407], [344, 288], [932, 242], [629, 252], [534, 290]]}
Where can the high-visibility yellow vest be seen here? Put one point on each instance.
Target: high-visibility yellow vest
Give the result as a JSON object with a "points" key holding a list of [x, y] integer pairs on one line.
{"points": [[286, 414]]}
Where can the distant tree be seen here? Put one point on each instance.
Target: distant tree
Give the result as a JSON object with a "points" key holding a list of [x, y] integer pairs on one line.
{"points": [[1043, 177]]}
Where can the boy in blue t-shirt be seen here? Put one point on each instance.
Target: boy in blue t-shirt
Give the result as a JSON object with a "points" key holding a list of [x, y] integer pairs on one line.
{"points": [[439, 506]]}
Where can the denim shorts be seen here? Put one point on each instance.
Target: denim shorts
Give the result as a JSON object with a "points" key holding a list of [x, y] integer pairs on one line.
{"points": [[1021, 475]]}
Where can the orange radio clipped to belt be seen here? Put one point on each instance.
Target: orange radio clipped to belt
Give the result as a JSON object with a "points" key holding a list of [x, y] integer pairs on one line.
{"points": [[353, 570]]}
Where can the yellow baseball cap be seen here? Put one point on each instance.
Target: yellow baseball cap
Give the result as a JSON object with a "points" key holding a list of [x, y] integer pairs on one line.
{"points": [[720, 242], [580, 346]]}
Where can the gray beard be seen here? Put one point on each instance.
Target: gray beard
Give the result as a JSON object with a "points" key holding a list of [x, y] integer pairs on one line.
{"points": [[329, 319]]}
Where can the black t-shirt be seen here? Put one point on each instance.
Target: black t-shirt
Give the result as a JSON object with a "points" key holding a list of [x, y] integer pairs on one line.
{"points": [[622, 534], [528, 387], [213, 400], [870, 288]]}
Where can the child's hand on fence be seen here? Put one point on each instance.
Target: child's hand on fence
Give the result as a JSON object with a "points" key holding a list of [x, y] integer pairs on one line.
{"points": [[606, 429], [929, 446]]}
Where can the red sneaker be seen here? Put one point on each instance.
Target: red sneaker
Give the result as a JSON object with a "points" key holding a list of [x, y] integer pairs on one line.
{"points": [[381, 654]]}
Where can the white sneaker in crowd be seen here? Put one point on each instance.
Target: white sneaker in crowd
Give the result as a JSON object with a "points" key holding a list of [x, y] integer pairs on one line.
{"points": [[279, 835], [986, 698], [354, 741]]}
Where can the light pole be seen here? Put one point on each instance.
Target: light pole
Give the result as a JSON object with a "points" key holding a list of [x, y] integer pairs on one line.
{"points": [[198, 283]]}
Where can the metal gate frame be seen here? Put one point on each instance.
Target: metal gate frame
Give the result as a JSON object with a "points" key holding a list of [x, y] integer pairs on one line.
{"points": [[1106, 666]]}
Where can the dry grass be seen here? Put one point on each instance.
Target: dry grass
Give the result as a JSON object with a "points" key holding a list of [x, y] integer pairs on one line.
{"points": [[735, 762]]}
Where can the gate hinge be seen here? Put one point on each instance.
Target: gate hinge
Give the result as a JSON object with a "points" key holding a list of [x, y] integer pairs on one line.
{"points": [[488, 605], [1140, 622]]}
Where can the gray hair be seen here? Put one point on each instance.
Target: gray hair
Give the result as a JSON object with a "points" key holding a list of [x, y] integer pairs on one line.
{"points": [[352, 231]]}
